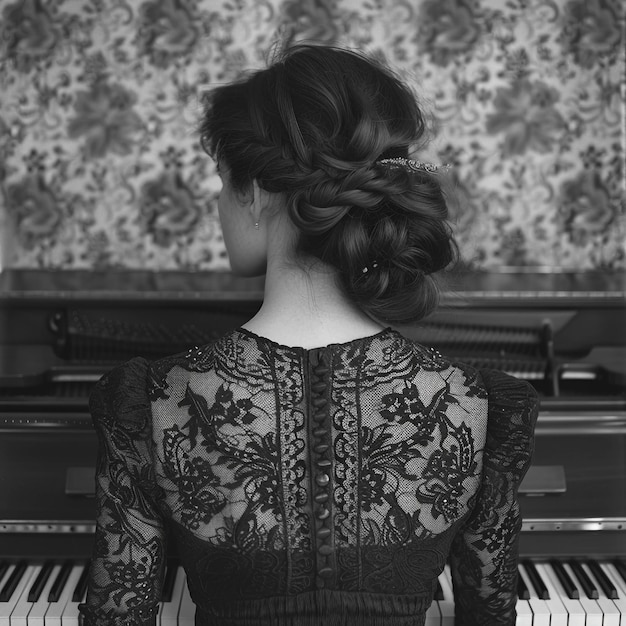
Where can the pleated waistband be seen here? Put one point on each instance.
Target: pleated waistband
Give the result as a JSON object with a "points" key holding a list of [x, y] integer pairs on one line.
{"points": [[320, 608]]}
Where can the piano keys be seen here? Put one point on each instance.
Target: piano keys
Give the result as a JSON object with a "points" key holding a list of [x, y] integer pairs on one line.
{"points": [[26, 601]]}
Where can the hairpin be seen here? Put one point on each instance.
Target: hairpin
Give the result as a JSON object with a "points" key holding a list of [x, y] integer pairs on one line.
{"points": [[411, 165], [366, 269]]}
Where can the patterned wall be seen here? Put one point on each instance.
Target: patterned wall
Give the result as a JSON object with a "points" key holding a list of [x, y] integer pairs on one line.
{"points": [[100, 164]]}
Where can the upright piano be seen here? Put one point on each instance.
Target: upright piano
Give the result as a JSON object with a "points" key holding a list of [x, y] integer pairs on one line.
{"points": [[563, 332]]}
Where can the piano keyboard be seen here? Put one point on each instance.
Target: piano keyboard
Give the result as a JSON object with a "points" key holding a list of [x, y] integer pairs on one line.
{"points": [[551, 593]]}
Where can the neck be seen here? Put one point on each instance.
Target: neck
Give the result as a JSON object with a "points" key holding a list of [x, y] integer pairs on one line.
{"points": [[305, 306]]}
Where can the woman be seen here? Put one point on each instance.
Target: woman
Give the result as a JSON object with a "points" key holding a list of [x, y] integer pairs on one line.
{"points": [[315, 466]]}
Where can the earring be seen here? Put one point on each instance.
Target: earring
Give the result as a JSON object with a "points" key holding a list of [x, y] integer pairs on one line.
{"points": [[256, 225]]}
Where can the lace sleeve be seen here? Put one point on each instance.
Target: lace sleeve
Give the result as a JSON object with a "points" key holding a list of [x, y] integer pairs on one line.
{"points": [[485, 553], [129, 550]]}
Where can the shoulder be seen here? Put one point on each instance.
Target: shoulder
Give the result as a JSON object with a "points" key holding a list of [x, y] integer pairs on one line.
{"points": [[507, 390], [121, 395], [511, 401], [461, 380], [507, 396], [513, 410], [510, 405]]}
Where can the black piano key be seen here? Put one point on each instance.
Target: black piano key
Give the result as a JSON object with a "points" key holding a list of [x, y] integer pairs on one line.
{"points": [[168, 583], [12, 581], [59, 584], [538, 585], [81, 585], [605, 582], [522, 590], [4, 566], [588, 587], [620, 566], [40, 581], [564, 578], [439, 592]]}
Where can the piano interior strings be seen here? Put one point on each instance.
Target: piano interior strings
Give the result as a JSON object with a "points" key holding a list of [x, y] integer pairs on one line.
{"points": [[564, 333]]}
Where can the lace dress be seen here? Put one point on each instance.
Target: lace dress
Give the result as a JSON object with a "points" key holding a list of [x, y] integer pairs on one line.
{"points": [[303, 487]]}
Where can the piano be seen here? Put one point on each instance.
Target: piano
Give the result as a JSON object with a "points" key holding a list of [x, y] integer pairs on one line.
{"points": [[563, 332]]}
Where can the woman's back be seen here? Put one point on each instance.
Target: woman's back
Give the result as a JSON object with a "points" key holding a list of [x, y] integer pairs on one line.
{"points": [[302, 485]]}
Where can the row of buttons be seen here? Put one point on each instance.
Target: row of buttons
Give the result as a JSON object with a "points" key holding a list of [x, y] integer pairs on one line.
{"points": [[322, 469]]}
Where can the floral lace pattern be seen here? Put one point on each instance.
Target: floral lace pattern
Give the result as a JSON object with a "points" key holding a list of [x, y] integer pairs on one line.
{"points": [[293, 479]]}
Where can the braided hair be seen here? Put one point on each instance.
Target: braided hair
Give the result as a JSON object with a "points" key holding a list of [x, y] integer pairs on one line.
{"points": [[314, 127]]}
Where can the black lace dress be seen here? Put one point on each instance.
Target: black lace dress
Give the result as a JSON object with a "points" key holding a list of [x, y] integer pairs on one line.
{"points": [[309, 487]]}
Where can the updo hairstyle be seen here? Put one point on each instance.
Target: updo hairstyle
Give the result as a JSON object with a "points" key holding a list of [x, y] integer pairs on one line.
{"points": [[313, 127]]}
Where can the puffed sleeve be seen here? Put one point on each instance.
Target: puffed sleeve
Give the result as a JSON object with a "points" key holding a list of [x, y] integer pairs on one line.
{"points": [[484, 553], [129, 551]]}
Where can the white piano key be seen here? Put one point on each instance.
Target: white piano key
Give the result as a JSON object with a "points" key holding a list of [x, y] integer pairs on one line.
{"points": [[541, 614], [41, 605], [607, 606], [446, 606], [592, 609], [71, 616], [168, 613], [187, 610], [54, 615], [558, 613], [575, 612], [9, 607], [620, 585], [524, 613], [433, 615]]}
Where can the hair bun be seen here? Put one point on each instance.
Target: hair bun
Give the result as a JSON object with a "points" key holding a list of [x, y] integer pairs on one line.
{"points": [[331, 130]]}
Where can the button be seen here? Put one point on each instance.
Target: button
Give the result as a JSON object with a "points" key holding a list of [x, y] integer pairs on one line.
{"points": [[322, 513], [325, 572], [323, 463], [320, 370], [322, 479], [320, 432], [321, 498], [319, 416], [323, 532], [320, 448], [318, 387], [319, 402], [325, 550]]}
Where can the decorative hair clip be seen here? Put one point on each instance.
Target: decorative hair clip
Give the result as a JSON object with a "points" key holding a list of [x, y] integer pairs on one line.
{"points": [[366, 269], [411, 165]]}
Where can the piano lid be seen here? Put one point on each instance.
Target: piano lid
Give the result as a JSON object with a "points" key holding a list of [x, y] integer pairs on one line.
{"points": [[129, 285], [458, 286]]}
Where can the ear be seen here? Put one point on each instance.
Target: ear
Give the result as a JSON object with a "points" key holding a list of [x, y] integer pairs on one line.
{"points": [[244, 197]]}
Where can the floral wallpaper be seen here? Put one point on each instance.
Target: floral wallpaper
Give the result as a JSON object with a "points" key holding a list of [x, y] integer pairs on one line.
{"points": [[100, 164]]}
